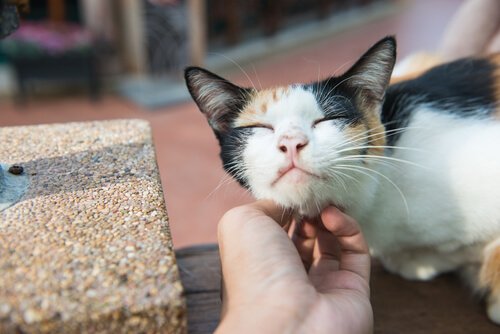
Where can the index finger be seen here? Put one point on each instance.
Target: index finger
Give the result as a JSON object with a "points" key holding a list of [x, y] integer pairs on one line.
{"points": [[354, 252]]}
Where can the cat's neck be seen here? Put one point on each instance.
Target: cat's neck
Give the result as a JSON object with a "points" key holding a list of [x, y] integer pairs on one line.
{"points": [[355, 198]]}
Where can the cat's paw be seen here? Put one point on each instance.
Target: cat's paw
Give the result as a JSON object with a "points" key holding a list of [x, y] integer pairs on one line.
{"points": [[410, 269], [413, 271]]}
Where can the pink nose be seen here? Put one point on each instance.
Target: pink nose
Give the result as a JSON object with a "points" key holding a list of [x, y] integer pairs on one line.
{"points": [[292, 144]]}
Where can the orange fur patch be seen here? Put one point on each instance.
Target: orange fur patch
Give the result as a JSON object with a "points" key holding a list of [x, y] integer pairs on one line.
{"points": [[417, 64], [259, 105], [372, 129], [355, 132], [490, 270], [377, 136]]}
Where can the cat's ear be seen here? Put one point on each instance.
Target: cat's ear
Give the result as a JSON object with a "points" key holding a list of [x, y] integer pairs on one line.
{"points": [[217, 98], [372, 72]]}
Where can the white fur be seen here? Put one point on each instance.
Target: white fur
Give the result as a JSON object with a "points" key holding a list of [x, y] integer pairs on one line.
{"points": [[295, 113], [452, 198], [433, 212]]}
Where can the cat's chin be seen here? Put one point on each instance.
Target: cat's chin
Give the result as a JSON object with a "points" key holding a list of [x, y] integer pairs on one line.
{"points": [[295, 177], [298, 193]]}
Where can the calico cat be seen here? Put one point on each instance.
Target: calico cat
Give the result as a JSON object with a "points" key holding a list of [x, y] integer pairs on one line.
{"points": [[414, 162]]}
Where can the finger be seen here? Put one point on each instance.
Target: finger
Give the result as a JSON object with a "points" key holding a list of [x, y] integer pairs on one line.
{"points": [[304, 238], [327, 249], [327, 245], [290, 228], [326, 258], [345, 229], [354, 254]]}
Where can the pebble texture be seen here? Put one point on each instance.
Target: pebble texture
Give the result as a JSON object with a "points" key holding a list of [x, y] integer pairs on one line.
{"points": [[88, 248]]}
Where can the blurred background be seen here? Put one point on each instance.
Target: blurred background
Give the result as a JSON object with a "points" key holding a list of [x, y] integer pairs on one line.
{"points": [[83, 60]]}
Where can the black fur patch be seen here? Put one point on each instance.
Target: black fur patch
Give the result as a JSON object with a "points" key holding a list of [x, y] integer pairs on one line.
{"points": [[232, 145], [336, 100], [362, 85], [464, 88]]}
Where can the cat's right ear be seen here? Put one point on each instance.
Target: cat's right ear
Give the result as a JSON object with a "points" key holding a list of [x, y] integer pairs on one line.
{"points": [[372, 72], [217, 98]]}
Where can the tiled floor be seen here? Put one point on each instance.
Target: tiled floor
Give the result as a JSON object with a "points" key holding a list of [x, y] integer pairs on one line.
{"points": [[196, 191]]}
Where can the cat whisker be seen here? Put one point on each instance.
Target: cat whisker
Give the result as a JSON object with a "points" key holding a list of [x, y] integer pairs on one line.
{"points": [[332, 102], [403, 197], [384, 132], [378, 146], [327, 159], [352, 168], [347, 176], [337, 178], [381, 157], [341, 67], [225, 180], [237, 65], [341, 176], [373, 136], [322, 95], [322, 87], [368, 134], [371, 160], [346, 79], [257, 76]]}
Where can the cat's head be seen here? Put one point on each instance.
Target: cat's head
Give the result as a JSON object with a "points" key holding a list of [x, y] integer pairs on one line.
{"points": [[302, 145]]}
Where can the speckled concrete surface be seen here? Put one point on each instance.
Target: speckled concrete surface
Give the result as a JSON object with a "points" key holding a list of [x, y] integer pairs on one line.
{"points": [[88, 248]]}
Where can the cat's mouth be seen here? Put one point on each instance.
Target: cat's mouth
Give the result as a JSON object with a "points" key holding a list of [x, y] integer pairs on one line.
{"points": [[297, 174]]}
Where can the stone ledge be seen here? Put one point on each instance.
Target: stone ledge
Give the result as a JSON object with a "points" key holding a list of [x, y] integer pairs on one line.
{"points": [[88, 247]]}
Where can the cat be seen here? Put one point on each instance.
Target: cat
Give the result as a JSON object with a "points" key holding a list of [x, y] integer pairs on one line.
{"points": [[413, 162]]}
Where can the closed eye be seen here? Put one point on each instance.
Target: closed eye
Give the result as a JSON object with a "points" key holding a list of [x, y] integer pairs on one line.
{"points": [[257, 126], [328, 118]]}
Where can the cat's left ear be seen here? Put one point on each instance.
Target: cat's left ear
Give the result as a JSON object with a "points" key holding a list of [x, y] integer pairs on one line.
{"points": [[372, 72]]}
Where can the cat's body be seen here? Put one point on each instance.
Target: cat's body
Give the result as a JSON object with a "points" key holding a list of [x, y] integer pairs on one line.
{"points": [[450, 177], [451, 183], [414, 163]]}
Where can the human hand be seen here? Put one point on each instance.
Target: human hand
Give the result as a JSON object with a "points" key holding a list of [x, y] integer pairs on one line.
{"points": [[317, 281]]}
